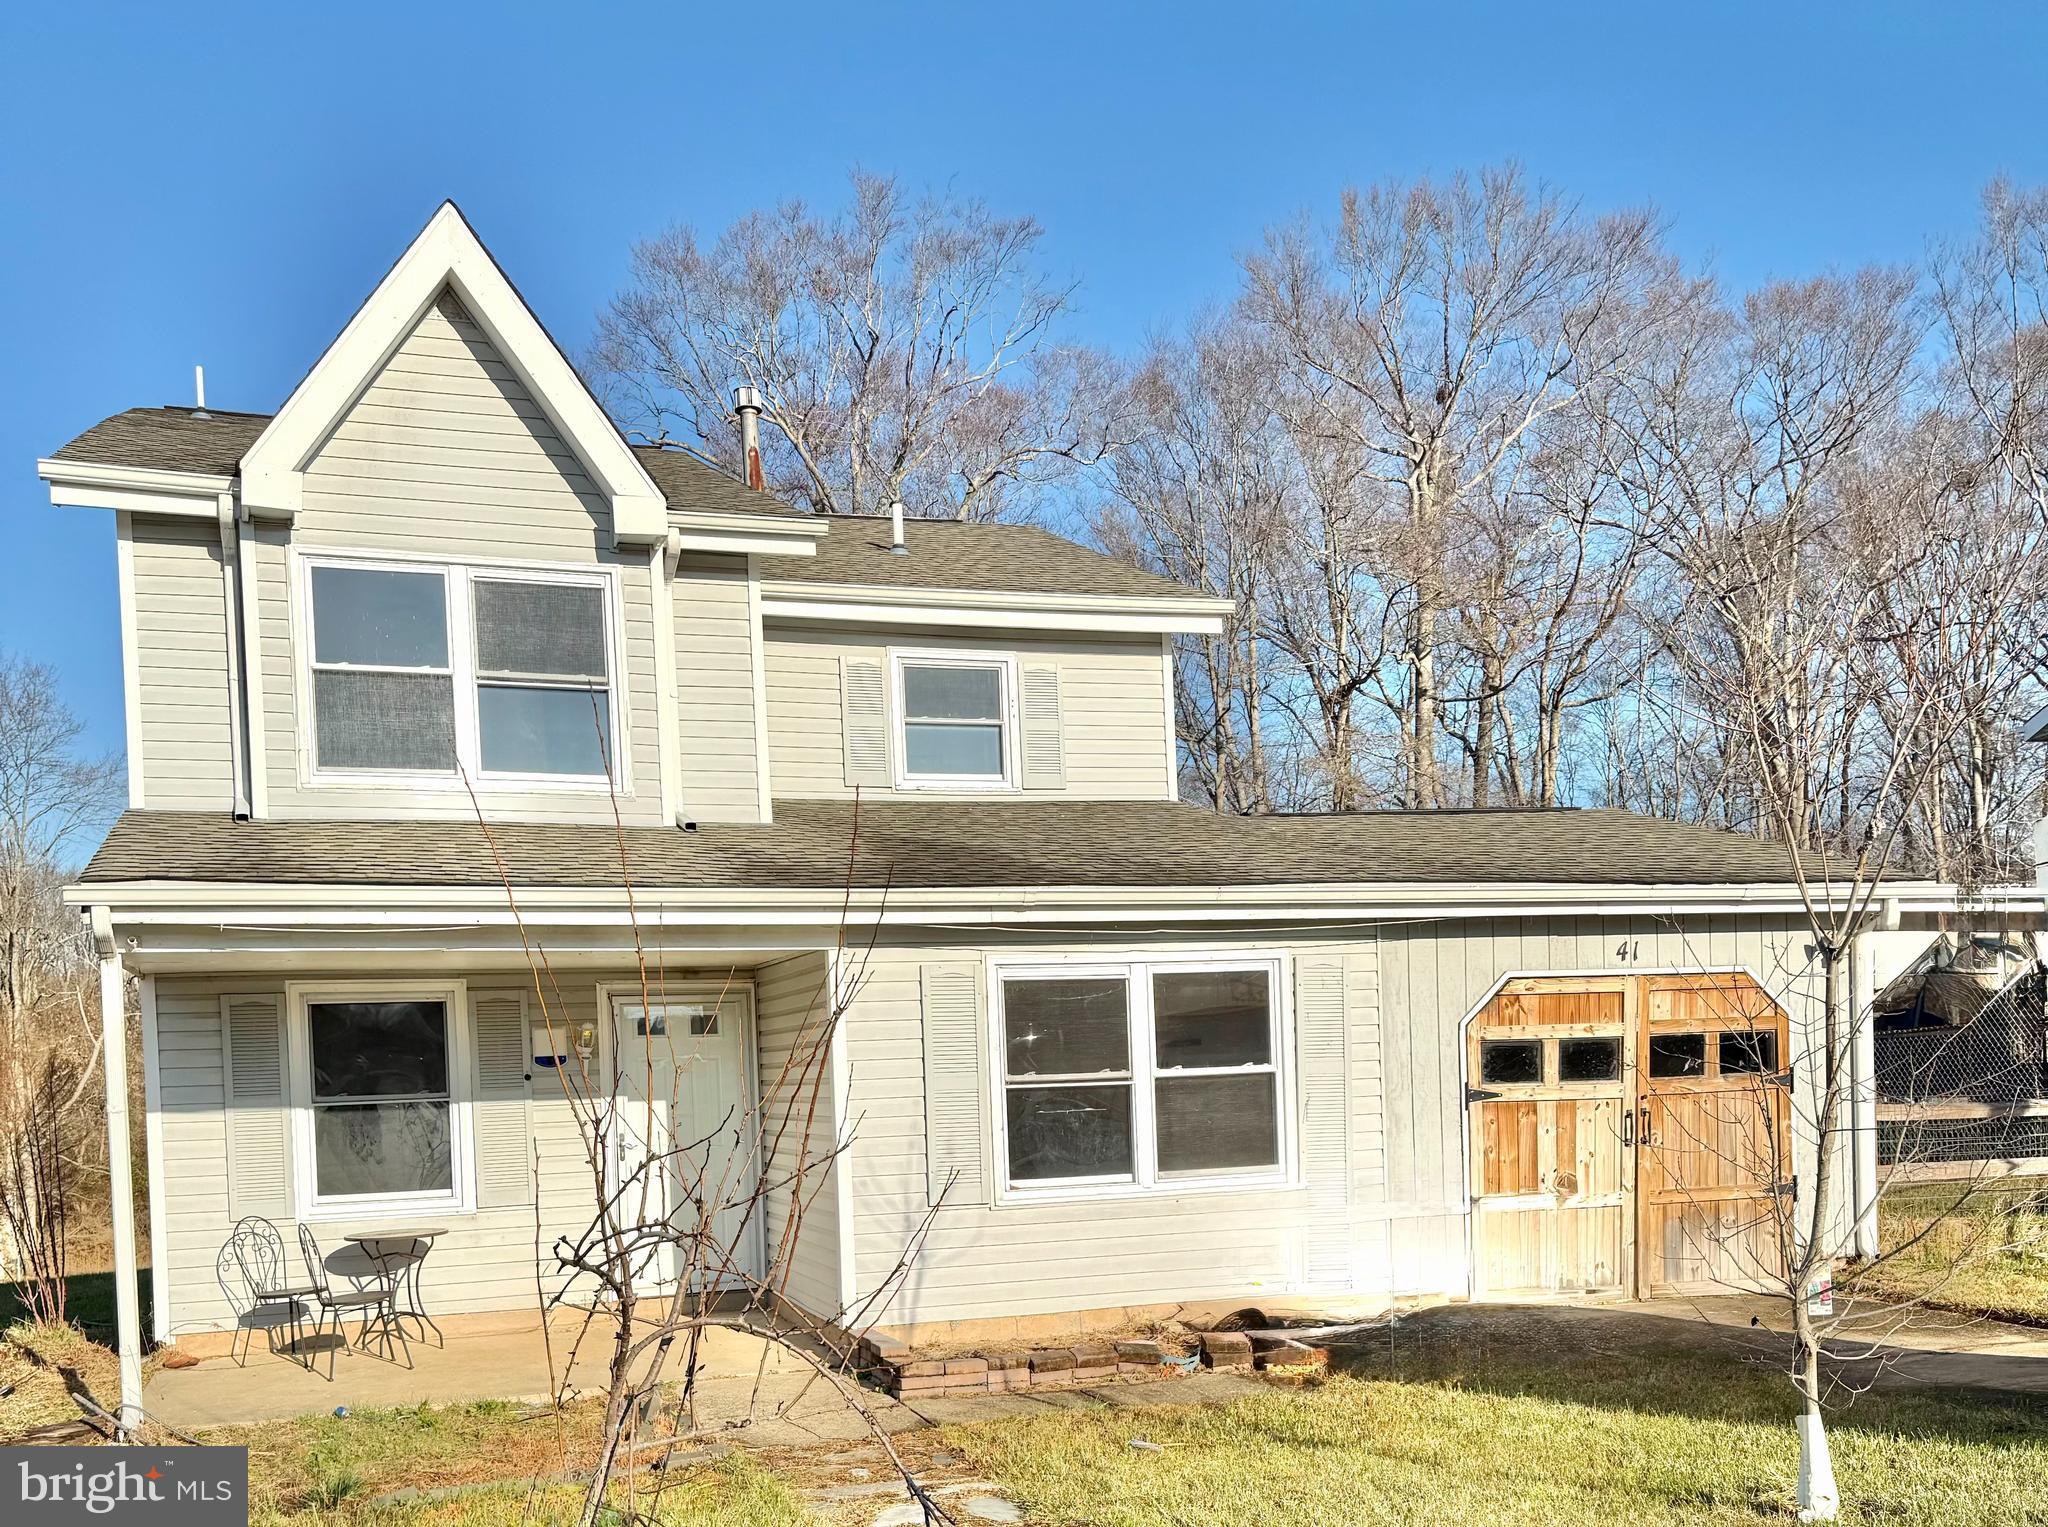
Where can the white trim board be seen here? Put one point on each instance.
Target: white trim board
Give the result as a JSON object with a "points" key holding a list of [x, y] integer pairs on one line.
{"points": [[871, 604]]}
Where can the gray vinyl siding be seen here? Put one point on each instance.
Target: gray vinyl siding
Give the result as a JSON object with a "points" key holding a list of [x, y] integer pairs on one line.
{"points": [[792, 1005], [485, 1263], [1112, 703], [715, 711], [447, 454], [181, 662], [1408, 990]]}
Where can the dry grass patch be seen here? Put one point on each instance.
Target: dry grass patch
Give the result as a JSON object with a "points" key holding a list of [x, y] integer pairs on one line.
{"points": [[1988, 1256], [1474, 1433]]}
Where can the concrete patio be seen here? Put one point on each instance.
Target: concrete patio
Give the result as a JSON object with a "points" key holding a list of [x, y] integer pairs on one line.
{"points": [[506, 1359]]}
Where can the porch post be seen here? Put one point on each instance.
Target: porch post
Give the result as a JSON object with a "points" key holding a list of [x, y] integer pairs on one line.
{"points": [[120, 1170]]}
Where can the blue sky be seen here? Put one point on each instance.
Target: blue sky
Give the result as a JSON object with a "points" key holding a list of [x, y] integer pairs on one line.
{"points": [[222, 183]]}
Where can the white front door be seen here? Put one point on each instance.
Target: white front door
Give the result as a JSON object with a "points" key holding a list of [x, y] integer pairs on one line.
{"points": [[685, 1090]]}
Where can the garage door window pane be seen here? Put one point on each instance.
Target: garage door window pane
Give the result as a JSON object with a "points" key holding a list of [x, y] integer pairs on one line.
{"points": [[1064, 1132], [1673, 1055], [1589, 1060], [1212, 1018], [1745, 1053], [1511, 1062], [1217, 1123], [1067, 1028]]}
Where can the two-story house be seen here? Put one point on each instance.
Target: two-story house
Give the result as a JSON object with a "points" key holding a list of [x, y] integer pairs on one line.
{"points": [[1119, 1052]]}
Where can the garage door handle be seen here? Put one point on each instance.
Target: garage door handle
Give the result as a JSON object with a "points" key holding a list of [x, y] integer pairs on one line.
{"points": [[1628, 1127]]}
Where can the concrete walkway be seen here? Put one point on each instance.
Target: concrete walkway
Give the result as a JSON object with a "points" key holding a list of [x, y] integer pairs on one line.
{"points": [[1872, 1344]]}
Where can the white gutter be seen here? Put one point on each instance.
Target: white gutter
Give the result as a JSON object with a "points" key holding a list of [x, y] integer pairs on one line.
{"points": [[259, 904], [241, 761], [147, 490], [794, 599]]}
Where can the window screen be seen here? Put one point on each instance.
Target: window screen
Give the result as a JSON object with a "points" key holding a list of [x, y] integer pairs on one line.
{"points": [[383, 693], [380, 1098], [953, 720], [553, 635], [532, 629]]}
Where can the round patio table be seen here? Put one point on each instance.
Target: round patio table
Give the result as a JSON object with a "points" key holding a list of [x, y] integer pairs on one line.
{"points": [[398, 1256]]}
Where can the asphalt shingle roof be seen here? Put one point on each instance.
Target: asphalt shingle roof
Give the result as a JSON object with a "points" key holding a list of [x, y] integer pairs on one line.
{"points": [[941, 554], [182, 440], [951, 554], [946, 844]]}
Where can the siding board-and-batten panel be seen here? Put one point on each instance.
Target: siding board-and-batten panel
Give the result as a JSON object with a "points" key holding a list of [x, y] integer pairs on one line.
{"points": [[446, 454], [184, 697], [792, 1000], [979, 1261], [485, 1262], [716, 725], [1107, 697]]}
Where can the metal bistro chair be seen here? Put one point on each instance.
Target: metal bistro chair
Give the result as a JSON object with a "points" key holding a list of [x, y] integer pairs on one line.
{"points": [[375, 1304], [255, 1275]]}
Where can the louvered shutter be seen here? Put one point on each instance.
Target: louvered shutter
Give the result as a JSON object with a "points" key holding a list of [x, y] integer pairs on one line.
{"points": [[864, 721], [1321, 1044], [955, 1136], [500, 1121], [259, 1133], [1044, 749]]}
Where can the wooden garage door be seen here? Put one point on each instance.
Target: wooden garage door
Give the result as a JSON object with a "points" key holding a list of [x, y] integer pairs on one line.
{"points": [[1550, 1174], [1628, 1135], [1713, 1137]]}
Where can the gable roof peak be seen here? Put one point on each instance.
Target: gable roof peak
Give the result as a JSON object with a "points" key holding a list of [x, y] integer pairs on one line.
{"points": [[447, 255]]}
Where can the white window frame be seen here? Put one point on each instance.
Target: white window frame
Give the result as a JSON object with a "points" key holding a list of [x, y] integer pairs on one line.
{"points": [[1145, 1179], [1005, 665], [458, 578], [461, 1197]]}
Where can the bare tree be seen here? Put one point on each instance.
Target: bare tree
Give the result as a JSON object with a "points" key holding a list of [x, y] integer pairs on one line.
{"points": [[677, 1201], [904, 348], [53, 801], [1451, 320]]}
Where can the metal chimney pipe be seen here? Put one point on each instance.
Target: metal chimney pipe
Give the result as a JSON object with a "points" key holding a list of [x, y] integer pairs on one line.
{"points": [[896, 528], [746, 402], [199, 391]]}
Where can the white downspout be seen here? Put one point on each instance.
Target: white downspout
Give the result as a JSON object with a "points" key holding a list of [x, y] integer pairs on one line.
{"points": [[120, 1170], [238, 731]]}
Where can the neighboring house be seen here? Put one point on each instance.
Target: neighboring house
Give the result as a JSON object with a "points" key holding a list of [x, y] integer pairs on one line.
{"points": [[1139, 1054]]}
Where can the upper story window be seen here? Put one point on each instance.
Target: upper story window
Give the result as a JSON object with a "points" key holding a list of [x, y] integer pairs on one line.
{"points": [[955, 713], [499, 675]]}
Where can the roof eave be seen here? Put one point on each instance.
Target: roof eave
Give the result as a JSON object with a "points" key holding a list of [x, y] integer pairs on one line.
{"points": [[271, 903], [147, 490], [799, 599]]}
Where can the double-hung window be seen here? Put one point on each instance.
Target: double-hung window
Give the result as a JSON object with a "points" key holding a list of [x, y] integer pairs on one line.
{"points": [[955, 712], [1141, 1073], [376, 1073], [446, 670]]}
